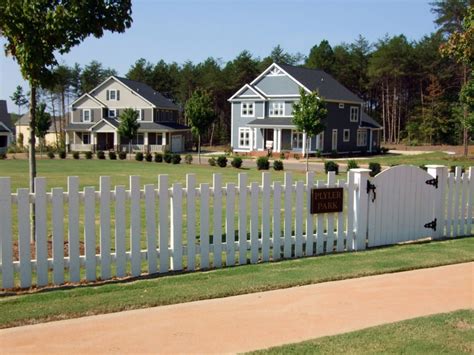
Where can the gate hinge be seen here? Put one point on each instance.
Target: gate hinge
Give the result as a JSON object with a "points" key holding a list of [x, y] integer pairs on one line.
{"points": [[433, 182], [370, 187], [431, 224]]}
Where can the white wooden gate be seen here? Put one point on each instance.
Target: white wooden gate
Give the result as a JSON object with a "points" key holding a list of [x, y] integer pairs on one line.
{"points": [[401, 205]]}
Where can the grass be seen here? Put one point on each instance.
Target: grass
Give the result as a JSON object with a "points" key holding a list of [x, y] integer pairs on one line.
{"points": [[446, 333], [60, 303]]}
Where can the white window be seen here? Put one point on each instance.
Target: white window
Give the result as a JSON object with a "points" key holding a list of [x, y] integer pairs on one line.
{"points": [[86, 138], [341, 105], [244, 137], [139, 114], [354, 114], [112, 113], [347, 135], [113, 96], [296, 140], [361, 138], [277, 109], [247, 109], [86, 115]]}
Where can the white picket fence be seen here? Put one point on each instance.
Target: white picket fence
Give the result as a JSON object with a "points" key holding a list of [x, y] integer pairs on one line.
{"points": [[160, 227]]}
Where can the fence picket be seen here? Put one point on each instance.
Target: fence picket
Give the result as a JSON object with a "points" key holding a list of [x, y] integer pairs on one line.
{"points": [[104, 187], [58, 235], [299, 219], [457, 185], [340, 223], [73, 229], [242, 218], [217, 229], [204, 230], [120, 252], [320, 237], [135, 228], [229, 224], [463, 212], [23, 196], [288, 214], [309, 216], [150, 216], [89, 232], [176, 228], [191, 220], [163, 222], [470, 201], [254, 222], [265, 217], [449, 219], [276, 236], [330, 217], [350, 211], [40, 226], [6, 242]]}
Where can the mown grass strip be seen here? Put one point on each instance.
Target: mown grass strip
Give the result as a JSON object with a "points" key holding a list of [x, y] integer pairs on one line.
{"points": [[446, 333], [113, 297]]}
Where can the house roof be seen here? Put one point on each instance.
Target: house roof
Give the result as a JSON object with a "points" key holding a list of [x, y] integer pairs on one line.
{"points": [[25, 121], [316, 79], [274, 121], [5, 116], [148, 93], [79, 126], [369, 122], [162, 126]]}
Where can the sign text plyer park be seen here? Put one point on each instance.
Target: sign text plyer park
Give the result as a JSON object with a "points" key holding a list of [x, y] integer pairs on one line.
{"points": [[327, 200]]}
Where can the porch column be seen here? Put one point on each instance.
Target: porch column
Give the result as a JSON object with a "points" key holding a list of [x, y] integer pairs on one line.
{"points": [[145, 142], [277, 139], [116, 141], [163, 141], [94, 140], [318, 141], [251, 139], [67, 142], [370, 140], [304, 144]]}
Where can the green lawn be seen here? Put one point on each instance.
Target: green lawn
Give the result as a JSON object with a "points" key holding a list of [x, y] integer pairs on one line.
{"points": [[60, 303], [447, 333]]}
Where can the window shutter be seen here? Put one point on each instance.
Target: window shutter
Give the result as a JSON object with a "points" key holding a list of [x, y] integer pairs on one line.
{"points": [[107, 95], [142, 114], [118, 95], [92, 115], [82, 115]]}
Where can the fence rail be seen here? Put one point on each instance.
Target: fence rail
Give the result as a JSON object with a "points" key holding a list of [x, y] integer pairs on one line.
{"points": [[156, 228]]}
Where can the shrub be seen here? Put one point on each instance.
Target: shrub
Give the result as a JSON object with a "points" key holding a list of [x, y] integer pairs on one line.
{"points": [[176, 158], [188, 159], [51, 155], [282, 156], [318, 153], [3, 155], [122, 155], [88, 155], [212, 161], [100, 155], [236, 162], [148, 157], [277, 165], [384, 150], [112, 155], [334, 153], [375, 168], [167, 157], [62, 154], [296, 156], [139, 156], [263, 163], [331, 166], [352, 164], [158, 157], [75, 155], [222, 161]]}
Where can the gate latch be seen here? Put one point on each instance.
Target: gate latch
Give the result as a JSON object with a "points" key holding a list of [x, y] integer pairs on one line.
{"points": [[371, 187], [433, 182], [432, 224]]}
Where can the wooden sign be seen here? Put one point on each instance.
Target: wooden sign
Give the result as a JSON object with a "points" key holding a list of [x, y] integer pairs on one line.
{"points": [[327, 200]]}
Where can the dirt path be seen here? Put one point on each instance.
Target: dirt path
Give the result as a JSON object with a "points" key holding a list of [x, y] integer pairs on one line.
{"points": [[259, 320]]}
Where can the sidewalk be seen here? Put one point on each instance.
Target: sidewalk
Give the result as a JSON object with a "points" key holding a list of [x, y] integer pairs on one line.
{"points": [[255, 321]]}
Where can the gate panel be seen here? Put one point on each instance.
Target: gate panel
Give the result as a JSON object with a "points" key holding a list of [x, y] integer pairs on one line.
{"points": [[403, 204]]}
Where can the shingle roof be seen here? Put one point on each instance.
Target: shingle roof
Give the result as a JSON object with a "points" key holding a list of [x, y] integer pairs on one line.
{"points": [[79, 126], [274, 121], [162, 126], [367, 121], [316, 79], [4, 115], [148, 93]]}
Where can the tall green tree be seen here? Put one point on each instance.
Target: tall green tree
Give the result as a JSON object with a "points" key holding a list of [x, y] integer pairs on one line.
{"points": [[321, 57], [200, 115], [141, 71], [309, 114], [449, 14], [43, 123], [93, 74], [128, 126], [19, 98]]}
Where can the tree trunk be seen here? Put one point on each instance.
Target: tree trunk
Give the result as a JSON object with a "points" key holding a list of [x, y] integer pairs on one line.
{"points": [[307, 152], [32, 157], [383, 115], [199, 149], [130, 149], [212, 134]]}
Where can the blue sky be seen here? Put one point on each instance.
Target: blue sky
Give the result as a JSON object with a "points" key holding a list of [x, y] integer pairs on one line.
{"points": [[183, 30]]}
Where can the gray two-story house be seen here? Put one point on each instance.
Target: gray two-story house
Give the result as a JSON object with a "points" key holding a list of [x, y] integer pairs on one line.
{"points": [[94, 119], [261, 115]]}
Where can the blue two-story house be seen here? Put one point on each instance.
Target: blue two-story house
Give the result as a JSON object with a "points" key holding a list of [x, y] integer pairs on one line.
{"points": [[261, 115]]}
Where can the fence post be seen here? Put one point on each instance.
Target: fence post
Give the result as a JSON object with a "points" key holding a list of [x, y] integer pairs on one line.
{"points": [[6, 240], [361, 208], [441, 172]]}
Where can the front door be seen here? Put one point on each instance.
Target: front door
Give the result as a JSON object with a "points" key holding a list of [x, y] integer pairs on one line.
{"points": [[334, 140], [105, 141]]}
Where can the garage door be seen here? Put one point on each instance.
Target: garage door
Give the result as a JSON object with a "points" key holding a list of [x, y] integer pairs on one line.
{"points": [[176, 143]]}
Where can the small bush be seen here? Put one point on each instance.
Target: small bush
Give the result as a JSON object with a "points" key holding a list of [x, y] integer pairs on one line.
{"points": [[75, 155], [212, 161], [88, 155], [375, 168], [139, 156], [62, 154], [263, 163], [296, 156], [352, 164], [167, 157], [3, 155], [122, 155], [50, 155], [188, 159], [222, 161], [334, 153], [318, 153], [282, 156], [158, 158], [331, 166], [176, 158], [277, 165], [100, 155], [112, 155], [384, 150], [236, 162], [148, 157]]}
